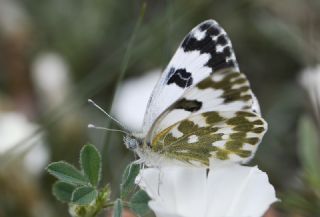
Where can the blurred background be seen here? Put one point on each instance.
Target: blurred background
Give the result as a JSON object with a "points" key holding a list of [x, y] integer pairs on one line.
{"points": [[56, 54]]}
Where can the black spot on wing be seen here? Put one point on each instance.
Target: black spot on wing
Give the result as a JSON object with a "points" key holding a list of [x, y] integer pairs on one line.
{"points": [[222, 40], [190, 43], [219, 61], [227, 51], [204, 26], [211, 29], [180, 77], [188, 105], [214, 37], [214, 31]]}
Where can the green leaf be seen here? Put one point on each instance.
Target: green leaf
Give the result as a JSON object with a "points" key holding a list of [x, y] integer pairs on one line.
{"points": [[139, 203], [84, 195], [128, 178], [67, 173], [90, 162], [309, 150], [117, 209], [63, 191]]}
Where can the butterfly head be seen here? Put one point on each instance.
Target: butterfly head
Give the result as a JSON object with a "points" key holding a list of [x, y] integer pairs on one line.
{"points": [[132, 142]]}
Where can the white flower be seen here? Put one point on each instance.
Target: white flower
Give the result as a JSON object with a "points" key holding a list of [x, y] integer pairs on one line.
{"points": [[132, 98], [227, 190], [51, 78], [15, 128], [310, 80], [14, 20]]}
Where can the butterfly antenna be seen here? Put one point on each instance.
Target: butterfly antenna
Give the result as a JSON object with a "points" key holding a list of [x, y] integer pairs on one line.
{"points": [[107, 129], [106, 113]]}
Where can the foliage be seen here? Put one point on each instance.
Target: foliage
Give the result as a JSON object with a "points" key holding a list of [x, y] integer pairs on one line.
{"points": [[305, 199], [79, 188]]}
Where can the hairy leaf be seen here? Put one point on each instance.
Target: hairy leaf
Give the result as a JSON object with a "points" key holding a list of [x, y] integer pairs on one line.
{"points": [[139, 203], [63, 191], [117, 209], [128, 178], [90, 161], [84, 195], [67, 173]]}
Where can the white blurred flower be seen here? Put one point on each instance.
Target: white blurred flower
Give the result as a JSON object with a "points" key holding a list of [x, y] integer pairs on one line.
{"points": [[227, 190], [310, 81], [51, 77], [14, 129], [36, 158], [13, 18], [132, 98]]}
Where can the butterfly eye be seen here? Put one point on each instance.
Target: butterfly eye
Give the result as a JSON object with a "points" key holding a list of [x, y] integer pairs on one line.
{"points": [[131, 142]]}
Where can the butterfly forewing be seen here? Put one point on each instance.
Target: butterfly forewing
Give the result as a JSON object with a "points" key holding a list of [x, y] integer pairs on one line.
{"points": [[204, 50], [222, 135]]}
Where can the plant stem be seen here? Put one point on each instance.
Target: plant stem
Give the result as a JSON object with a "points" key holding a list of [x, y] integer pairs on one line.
{"points": [[124, 64]]}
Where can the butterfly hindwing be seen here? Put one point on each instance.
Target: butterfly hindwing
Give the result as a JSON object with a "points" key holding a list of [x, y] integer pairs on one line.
{"points": [[205, 50], [232, 136]]}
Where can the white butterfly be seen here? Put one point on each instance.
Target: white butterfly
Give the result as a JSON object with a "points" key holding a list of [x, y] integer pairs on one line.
{"points": [[202, 107]]}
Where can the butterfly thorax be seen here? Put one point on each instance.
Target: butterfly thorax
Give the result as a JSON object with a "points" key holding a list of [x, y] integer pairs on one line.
{"points": [[137, 143]]}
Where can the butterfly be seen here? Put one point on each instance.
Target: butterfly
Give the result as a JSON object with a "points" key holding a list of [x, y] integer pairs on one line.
{"points": [[202, 107]]}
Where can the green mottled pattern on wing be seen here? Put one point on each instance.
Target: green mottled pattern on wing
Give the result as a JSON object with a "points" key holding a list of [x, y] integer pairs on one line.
{"points": [[222, 135], [234, 85]]}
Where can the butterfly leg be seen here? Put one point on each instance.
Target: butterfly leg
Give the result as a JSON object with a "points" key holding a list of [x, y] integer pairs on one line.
{"points": [[159, 179]]}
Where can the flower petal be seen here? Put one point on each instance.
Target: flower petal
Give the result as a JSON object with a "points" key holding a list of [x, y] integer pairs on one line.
{"points": [[229, 190], [132, 99], [235, 190], [161, 211], [180, 189], [190, 187]]}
